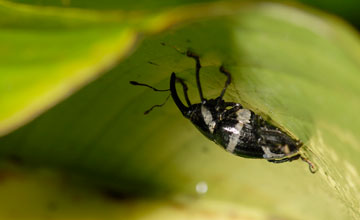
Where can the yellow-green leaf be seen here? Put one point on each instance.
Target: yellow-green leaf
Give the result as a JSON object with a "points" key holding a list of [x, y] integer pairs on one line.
{"points": [[298, 67]]}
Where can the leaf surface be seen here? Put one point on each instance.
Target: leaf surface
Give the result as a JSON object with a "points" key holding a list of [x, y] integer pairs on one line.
{"points": [[299, 69]]}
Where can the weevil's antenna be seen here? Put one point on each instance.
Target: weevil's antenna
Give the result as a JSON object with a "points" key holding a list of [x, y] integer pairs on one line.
{"points": [[146, 85], [156, 106], [156, 90]]}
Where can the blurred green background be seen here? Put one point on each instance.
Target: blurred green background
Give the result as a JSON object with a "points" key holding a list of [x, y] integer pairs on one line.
{"points": [[74, 141]]}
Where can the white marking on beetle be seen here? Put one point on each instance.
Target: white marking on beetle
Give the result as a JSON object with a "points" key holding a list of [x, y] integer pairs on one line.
{"points": [[234, 137], [268, 154], [243, 117], [231, 130], [208, 118], [286, 149]]}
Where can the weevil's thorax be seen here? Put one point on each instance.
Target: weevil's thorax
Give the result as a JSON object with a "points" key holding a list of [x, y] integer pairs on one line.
{"points": [[246, 134]]}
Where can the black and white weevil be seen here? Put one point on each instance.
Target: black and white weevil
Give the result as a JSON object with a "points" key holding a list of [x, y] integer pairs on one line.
{"points": [[238, 130]]}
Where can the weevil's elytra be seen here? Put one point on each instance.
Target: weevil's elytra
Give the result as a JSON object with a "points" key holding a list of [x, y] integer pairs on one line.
{"points": [[236, 129]]}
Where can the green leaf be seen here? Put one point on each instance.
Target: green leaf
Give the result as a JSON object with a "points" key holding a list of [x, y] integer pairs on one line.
{"points": [[113, 4], [49, 53], [297, 67], [345, 9]]}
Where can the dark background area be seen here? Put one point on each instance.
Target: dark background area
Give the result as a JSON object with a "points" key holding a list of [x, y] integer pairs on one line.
{"points": [[349, 10]]}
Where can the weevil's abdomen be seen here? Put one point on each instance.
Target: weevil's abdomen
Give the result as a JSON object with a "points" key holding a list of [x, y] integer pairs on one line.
{"points": [[246, 134]]}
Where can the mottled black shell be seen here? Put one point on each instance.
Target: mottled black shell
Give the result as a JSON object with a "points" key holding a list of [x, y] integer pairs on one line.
{"points": [[241, 132]]}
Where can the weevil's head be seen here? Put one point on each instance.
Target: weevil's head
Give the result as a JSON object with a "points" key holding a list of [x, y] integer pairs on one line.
{"points": [[203, 115]]}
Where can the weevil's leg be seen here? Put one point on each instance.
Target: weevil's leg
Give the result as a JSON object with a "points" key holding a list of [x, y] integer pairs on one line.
{"points": [[232, 104], [279, 161], [185, 89], [234, 107], [289, 159], [312, 167], [184, 110], [227, 83], [228, 112], [146, 85], [198, 67]]}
